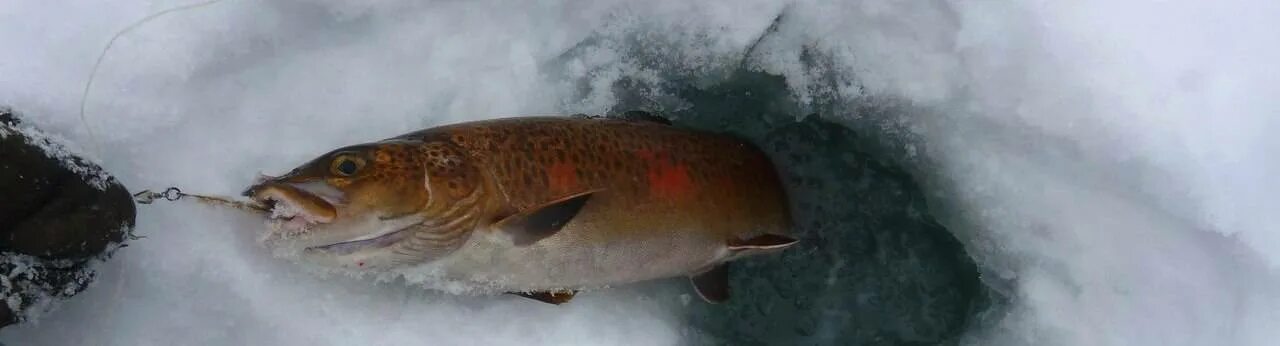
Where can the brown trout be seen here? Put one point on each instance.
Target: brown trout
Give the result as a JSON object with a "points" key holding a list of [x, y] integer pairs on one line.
{"points": [[537, 206]]}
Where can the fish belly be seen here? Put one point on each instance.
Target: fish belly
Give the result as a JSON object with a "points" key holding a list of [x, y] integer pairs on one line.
{"points": [[490, 263]]}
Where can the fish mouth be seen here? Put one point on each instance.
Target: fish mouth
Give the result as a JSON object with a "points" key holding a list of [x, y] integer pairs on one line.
{"points": [[296, 208]]}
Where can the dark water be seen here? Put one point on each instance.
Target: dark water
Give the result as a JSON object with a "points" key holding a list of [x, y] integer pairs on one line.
{"points": [[873, 266]]}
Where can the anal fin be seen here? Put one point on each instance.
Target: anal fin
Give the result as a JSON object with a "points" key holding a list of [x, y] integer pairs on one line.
{"points": [[549, 297], [712, 285]]}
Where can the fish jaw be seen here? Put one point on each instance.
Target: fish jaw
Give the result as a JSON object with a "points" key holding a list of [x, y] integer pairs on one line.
{"points": [[372, 252], [311, 219], [374, 241], [297, 210], [288, 201]]}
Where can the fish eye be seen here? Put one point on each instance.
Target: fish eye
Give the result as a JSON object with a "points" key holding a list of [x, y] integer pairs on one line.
{"points": [[346, 165]]}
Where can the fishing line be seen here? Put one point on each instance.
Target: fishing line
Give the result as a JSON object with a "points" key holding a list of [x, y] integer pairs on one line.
{"points": [[145, 196], [84, 96], [172, 193]]}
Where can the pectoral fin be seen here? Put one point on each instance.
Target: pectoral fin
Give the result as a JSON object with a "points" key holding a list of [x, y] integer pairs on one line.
{"points": [[712, 285], [540, 222], [549, 297]]}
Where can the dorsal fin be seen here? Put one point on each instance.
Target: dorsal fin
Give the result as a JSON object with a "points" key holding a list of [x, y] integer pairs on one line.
{"points": [[542, 221], [584, 116], [639, 116], [644, 116]]}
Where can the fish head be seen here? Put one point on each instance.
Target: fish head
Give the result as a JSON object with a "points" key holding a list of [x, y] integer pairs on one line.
{"points": [[347, 193], [355, 204]]}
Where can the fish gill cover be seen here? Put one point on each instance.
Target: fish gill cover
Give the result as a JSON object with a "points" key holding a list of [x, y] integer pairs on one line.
{"points": [[1102, 164]]}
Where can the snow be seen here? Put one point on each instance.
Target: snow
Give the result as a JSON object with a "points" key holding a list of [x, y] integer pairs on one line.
{"points": [[1106, 162], [32, 297]]}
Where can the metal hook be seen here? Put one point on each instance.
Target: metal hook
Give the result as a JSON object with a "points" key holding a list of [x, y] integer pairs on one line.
{"points": [[147, 197], [172, 194]]}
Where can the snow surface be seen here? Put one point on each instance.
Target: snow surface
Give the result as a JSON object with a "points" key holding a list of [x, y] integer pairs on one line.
{"points": [[1107, 162]]}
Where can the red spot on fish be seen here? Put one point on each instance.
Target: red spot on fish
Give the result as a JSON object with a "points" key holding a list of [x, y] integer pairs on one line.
{"points": [[360, 264], [667, 177], [562, 178]]}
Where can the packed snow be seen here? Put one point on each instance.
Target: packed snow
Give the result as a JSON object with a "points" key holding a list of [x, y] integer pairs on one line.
{"points": [[1106, 163]]}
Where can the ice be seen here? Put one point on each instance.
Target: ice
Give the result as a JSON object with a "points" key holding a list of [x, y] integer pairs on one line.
{"points": [[1125, 174], [1105, 163]]}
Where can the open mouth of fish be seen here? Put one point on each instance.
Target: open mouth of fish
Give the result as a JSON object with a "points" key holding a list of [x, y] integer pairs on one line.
{"points": [[294, 210], [286, 214]]}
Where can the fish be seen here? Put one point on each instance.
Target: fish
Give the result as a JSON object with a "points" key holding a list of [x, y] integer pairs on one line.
{"points": [[541, 206]]}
